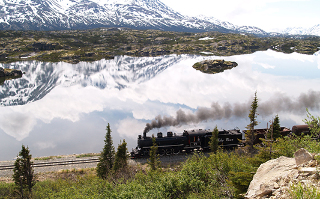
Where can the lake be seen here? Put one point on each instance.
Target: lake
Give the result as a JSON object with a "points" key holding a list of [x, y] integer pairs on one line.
{"points": [[61, 108]]}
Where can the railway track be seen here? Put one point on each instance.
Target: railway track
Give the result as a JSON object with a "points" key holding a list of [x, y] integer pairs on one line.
{"points": [[55, 163]]}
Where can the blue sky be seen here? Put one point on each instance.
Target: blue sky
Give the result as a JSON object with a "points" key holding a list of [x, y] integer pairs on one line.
{"points": [[266, 14]]}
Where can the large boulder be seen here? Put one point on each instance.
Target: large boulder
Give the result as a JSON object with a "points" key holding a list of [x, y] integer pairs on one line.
{"points": [[268, 177], [275, 178]]}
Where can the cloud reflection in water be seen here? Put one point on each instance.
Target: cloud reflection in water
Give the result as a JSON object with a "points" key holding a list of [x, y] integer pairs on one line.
{"points": [[129, 92]]}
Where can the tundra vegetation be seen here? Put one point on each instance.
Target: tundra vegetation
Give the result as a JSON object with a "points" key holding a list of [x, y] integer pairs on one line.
{"points": [[89, 45]]}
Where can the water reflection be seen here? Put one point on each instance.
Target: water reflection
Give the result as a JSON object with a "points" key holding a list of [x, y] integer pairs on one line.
{"points": [[59, 108]]}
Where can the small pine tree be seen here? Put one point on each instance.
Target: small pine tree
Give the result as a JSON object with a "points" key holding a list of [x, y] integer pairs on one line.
{"points": [[23, 172], [154, 161], [214, 141], [250, 134], [107, 156], [121, 157], [275, 129]]}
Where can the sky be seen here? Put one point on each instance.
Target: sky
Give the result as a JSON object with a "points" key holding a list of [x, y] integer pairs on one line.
{"points": [[269, 15]]}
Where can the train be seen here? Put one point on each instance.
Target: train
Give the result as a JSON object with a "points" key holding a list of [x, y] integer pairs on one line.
{"points": [[198, 139], [190, 140]]}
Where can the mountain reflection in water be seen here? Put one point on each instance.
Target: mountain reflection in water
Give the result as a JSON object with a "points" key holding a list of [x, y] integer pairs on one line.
{"points": [[60, 108]]}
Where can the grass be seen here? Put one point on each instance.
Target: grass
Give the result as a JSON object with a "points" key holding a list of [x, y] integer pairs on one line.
{"points": [[48, 158], [300, 191], [87, 155]]}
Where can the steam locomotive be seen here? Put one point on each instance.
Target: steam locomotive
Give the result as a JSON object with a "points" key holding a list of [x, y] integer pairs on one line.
{"points": [[190, 140], [198, 139]]}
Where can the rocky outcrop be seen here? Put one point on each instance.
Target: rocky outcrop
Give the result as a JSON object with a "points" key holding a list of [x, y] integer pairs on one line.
{"points": [[10, 72], [214, 66], [275, 178]]}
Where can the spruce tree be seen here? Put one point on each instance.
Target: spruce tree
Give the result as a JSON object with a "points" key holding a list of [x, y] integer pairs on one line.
{"points": [[214, 140], [250, 134], [154, 161], [107, 156], [121, 157], [275, 129], [23, 171]]}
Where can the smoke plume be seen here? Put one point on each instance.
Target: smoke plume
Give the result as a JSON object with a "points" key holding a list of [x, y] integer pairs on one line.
{"points": [[274, 105]]}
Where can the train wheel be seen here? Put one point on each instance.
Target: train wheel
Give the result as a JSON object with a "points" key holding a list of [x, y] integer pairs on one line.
{"points": [[162, 152], [168, 152], [176, 151]]}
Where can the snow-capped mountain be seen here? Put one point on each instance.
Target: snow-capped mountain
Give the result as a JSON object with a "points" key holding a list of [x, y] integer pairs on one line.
{"points": [[85, 14], [230, 26], [41, 77], [315, 30], [136, 14]]}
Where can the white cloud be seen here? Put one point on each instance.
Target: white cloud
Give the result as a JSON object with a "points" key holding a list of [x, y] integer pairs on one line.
{"points": [[45, 145], [130, 127], [16, 124], [267, 66], [265, 14]]}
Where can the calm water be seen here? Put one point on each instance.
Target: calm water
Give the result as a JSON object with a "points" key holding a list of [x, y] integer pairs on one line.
{"points": [[60, 108]]}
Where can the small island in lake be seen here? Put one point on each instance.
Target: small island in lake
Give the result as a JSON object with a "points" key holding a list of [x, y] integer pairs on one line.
{"points": [[7, 74], [214, 66]]}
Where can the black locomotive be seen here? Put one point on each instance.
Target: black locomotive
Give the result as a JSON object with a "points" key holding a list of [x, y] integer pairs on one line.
{"points": [[190, 140]]}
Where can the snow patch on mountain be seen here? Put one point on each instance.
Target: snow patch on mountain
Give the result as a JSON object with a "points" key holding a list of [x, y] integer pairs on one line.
{"points": [[315, 30]]}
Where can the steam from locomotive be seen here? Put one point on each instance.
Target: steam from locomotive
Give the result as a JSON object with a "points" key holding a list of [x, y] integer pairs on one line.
{"points": [[274, 105]]}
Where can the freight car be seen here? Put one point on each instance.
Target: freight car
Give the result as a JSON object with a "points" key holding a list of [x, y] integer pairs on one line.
{"points": [[190, 140]]}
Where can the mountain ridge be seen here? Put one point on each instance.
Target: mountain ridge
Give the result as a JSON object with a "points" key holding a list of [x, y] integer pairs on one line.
{"points": [[87, 14], [136, 14]]}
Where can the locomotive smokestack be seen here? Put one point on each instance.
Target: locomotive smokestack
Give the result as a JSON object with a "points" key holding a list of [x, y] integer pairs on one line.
{"points": [[276, 104], [146, 130]]}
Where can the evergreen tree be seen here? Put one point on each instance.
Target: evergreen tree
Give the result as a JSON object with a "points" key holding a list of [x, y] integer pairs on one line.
{"points": [[121, 157], [274, 129], [154, 161], [250, 134], [23, 172], [214, 141], [107, 156]]}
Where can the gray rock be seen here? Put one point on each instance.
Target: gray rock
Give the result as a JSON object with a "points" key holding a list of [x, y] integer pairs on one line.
{"points": [[302, 156]]}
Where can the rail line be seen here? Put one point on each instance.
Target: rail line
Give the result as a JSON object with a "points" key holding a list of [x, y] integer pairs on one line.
{"points": [[56, 163]]}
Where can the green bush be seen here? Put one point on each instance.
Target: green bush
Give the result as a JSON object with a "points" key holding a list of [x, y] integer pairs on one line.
{"points": [[300, 191]]}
